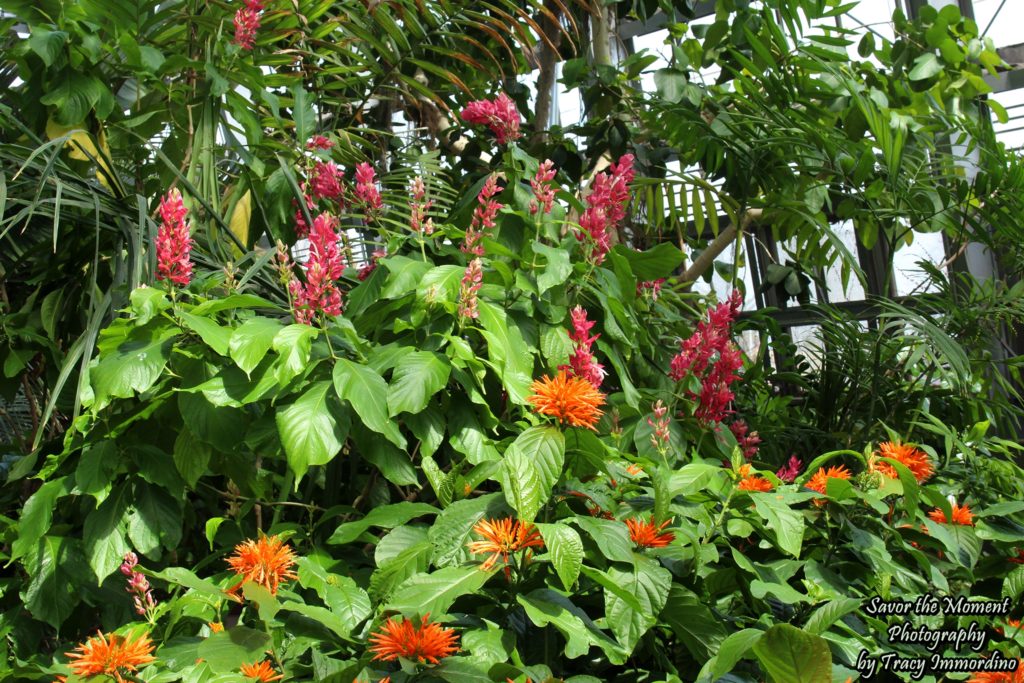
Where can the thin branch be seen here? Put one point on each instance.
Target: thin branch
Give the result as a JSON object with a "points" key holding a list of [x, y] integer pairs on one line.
{"points": [[717, 246]]}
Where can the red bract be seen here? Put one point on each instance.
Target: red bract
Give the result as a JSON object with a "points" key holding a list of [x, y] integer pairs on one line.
{"points": [[543, 190], [173, 242], [499, 114], [788, 472], [325, 181], [710, 355], [319, 142], [606, 206], [366, 188], [653, 286], [747, 442], [247, 23], [471, 282], [319, 294], [368, 269], [582, 362], [483, 217]]}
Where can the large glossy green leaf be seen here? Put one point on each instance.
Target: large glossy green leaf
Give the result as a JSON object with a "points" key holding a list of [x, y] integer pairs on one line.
{"points": [[293, 345], [37, 515], [787, 523], [50, 594], [130, 361], [545, 606], [612, 537], [451, 529], [310, 432], [435, 592], [251, 341], [733, 648], [387, 517], [104, 533], [347, 600], [649, 583], [530, 467], [226, 651], [417, 377], [565, 550], [556, 270], [789, 655], [658, 262], [367, 391], [508, 351], [693, 622]]}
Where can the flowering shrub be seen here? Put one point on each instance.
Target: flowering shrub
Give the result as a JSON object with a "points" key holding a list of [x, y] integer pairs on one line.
{"points": [[507, 456]]}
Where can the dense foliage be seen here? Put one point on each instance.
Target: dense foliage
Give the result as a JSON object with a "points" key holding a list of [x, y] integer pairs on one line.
{"points": [[467, 421]]}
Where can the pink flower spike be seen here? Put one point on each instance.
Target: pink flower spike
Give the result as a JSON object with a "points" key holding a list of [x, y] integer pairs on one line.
{"points": [[173, 241], [472, 280], [418, 221], [748, 443], [499, 114], [543, 190], [582, 362], [606, 206], [319, 294], [483, 217], [247, 23], [652, 286], [368, 269], [366, 187]]}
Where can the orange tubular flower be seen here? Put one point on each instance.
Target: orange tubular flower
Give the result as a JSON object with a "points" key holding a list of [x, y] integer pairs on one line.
{"points": [[216, 627], [1000, 676], [502, 538], [571, 400], [647, 534], [961, 515], [915, 460], [819, 481], [752, 482], [261, 672], [428, 643], [111, 655], [266, 562]]}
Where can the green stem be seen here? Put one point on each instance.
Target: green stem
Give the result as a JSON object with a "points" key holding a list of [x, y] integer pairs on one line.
{"points": [[289, 480]]}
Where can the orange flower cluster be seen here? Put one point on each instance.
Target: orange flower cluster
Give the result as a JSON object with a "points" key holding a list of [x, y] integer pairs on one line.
{"points": [[819, 481], [571, 400], [262, 671], [752, 482], [111, 655], [914, 459], [647, 534], [428, 643], [502, 537], [266, 562], [961, 515], [1000, 676]]}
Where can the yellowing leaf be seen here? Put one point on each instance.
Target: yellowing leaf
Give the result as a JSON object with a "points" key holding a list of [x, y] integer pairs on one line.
{"points": [[241, 216], [83, 148]]}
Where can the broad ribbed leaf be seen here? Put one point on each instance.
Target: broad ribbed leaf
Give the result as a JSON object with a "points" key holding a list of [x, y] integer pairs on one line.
{"points": [[530, 467], [565, 550], [251, 341], [367, 391], [226, 651], [788, 654], [309, 431], [435, 592], [650, 583], [387, 517], [416, 378]]}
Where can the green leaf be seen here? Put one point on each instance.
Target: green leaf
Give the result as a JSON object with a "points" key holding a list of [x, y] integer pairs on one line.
{"points": [[660, 261], [181, 576], [787, 523], [104, 533], [452, 527], [440, 284], [556, 271], [731, 651], [435, 592], [95, 472], [74, 95], [394, 463], [50, 594], [691, 620], [309, 431], [404, 276], [790, 655], [530, 467], [565, 550], [611, 536], [228, 650], [416, 378], [367, 392], [925, 66], [671, 84], [293, 346], [427, 426], [545, 606], [347, 600], [216, 337], [131, 360], [191, 457], [1013, 584], [37, 515], [650, 584], [47, 44], [508, 351], [154, 521], [830, 613], [468, 437], [302, 113], [386, 517], [251, 341]]}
